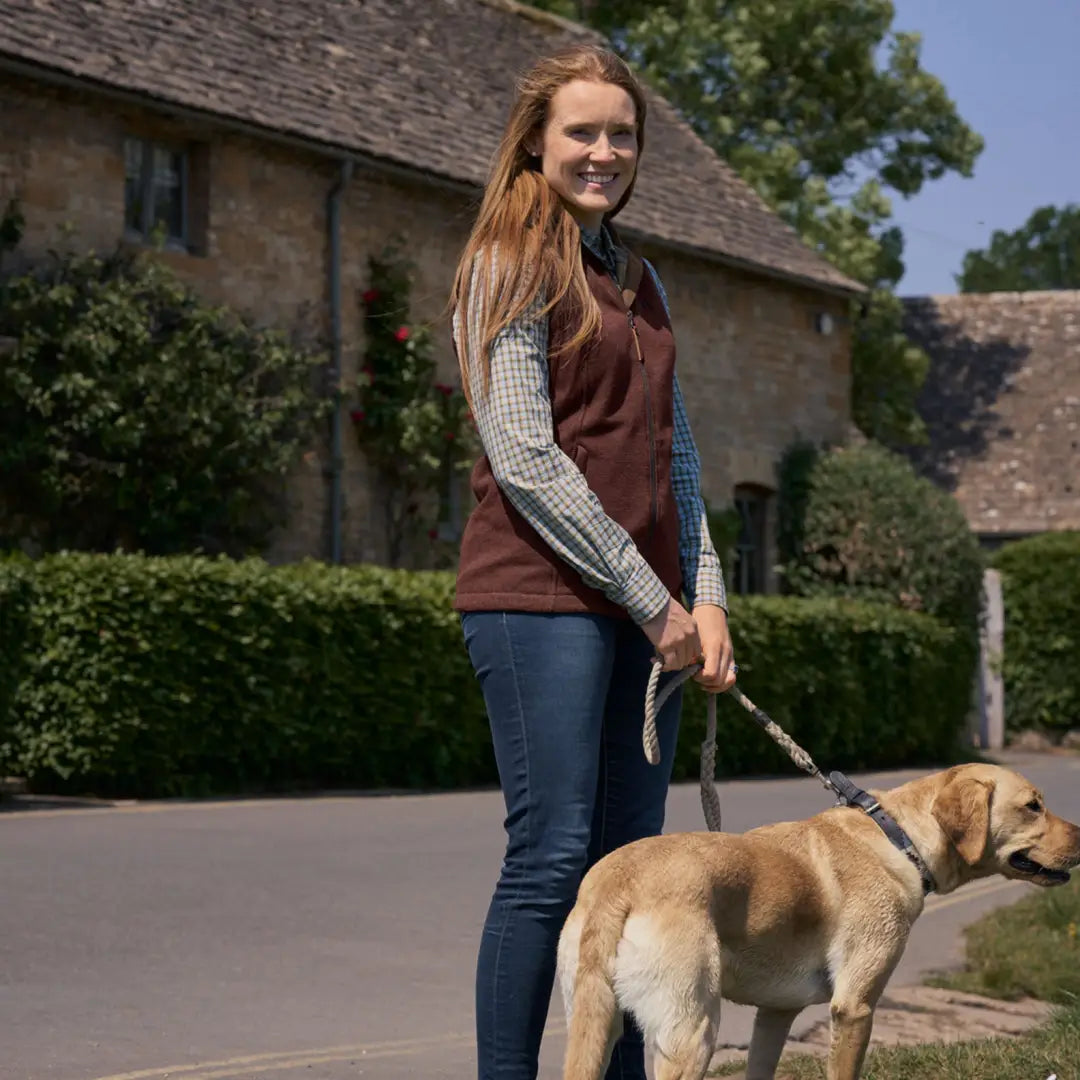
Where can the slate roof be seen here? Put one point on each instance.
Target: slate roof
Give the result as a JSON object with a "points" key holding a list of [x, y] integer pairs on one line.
{"points": [[1002, 405], [421, 83]]}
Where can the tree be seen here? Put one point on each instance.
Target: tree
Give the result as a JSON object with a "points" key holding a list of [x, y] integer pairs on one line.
{"points": [[1044, 253], [824, 109]]}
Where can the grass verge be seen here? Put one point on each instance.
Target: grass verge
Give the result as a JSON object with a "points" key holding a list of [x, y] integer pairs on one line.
{"points": [[1029, 949]]}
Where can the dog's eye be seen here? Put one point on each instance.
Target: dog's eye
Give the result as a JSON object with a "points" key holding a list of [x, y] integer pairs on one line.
{"points": [[1034, 805]]}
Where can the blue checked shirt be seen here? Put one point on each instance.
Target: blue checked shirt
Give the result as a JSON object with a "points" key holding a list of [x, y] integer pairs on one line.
{"points": [[549, 491]]}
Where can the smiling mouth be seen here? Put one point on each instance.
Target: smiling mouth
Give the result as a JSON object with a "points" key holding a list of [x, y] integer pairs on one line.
{"points": [[597, 179], [1020, 861]]}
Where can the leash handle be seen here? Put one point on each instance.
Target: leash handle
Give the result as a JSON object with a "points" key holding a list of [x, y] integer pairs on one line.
{"points": [[710, 800]]}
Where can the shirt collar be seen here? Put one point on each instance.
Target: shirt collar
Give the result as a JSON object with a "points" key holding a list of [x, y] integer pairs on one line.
{"points": [[601, 244]]}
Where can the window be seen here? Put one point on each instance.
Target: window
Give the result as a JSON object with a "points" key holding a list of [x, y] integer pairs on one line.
{"points": [[752, 504], [156, 191]]}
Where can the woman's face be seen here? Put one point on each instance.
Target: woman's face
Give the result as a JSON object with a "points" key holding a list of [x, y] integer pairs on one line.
{"points": [[588, 148]]}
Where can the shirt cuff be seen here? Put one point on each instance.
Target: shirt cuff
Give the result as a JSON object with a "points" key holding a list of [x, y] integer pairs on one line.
{"points": [[644, 595]]}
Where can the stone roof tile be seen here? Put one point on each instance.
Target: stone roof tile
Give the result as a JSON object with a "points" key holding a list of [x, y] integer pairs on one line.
{"points": [[1001, 404]]}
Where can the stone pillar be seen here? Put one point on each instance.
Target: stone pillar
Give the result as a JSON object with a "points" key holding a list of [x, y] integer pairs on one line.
{"points": [[990, 698]]}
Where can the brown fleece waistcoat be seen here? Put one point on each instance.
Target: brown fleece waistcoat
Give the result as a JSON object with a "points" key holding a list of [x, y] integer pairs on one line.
{"points": [[611, 405]]}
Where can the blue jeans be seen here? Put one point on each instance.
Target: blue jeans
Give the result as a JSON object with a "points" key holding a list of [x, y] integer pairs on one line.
{"points": [[565, 699]]}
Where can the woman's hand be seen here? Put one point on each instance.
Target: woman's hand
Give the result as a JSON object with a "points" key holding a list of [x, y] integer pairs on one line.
{"points": [[674, 636], [718, 674]]}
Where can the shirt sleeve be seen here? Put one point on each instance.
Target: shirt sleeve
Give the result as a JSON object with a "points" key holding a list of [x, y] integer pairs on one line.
{"points": [[513, 417], [703, 577]]}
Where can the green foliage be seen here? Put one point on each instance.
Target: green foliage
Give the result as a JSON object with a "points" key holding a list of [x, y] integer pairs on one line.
{"points": [[416, 432], [872, 528], [1028, 949], [185, 675], [725, 525], [857, 685], [823, 108], [888, 372], [16, 598], [136, 416], [12, 224], [1041, 254], [1044, 253], [1041, 589], [796, 476], [188, 675]]}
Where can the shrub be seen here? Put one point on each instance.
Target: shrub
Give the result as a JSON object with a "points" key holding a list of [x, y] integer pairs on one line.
{"points": [[1041, 591], [136, 416], [417, 433], [187, 675], [16, 593], [871, 528]]}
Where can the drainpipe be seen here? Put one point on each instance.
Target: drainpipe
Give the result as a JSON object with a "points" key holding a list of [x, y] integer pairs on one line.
{"points": [[333, 215]]}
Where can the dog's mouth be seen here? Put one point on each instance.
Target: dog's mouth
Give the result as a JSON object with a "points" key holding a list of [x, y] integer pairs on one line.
{"points": [[1024, 864]]}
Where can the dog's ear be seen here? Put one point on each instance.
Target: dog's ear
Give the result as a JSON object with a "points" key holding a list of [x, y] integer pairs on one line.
{"points": [[962, 809]]}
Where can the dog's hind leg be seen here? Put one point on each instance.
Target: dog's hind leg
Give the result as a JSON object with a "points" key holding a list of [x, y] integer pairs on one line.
{"points": [[771, 1027]]}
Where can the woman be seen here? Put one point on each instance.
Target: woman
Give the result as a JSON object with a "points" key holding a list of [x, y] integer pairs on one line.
{"points": [[588, 527]]}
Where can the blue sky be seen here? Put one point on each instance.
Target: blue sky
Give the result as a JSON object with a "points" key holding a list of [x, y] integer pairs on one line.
{"points": [[1012, 67]]}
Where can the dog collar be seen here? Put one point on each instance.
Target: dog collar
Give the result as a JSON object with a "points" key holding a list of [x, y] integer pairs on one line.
{"points": [[851, 795]]}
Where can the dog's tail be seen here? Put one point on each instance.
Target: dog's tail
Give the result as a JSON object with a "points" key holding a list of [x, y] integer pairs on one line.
{"points": [[592, 1018]]}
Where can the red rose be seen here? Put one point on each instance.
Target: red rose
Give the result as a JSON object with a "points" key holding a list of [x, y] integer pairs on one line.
{"points": [[443, 389], [402, 333], [357, 415], [433, 534], [449, 436], [371, 296]]}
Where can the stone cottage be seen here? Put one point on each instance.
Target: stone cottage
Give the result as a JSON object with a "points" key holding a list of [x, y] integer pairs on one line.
{"points": [[1001, 405], [283, 143]]}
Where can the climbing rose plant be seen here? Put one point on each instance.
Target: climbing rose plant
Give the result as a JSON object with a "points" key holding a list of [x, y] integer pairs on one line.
{"points": [[416, 433]]}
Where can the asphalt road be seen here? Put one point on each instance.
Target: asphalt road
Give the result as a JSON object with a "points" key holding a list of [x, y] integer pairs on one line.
{"points": [[324, 938]]}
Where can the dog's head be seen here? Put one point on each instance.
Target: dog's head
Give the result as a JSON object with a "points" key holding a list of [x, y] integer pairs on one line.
{"points": [[998, 822]]}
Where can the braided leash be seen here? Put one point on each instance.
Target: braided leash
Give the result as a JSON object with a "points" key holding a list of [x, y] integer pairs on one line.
{"points": [[710, 800]]}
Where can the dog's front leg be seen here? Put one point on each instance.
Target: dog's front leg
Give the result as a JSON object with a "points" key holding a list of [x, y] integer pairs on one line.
{"points": [[852, 1020], [771, 1027]]}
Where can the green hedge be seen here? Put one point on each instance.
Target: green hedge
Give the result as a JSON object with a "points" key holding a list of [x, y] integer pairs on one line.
{"points": [[858, 685], [188, 675], [1041, 590], [15, 602]]}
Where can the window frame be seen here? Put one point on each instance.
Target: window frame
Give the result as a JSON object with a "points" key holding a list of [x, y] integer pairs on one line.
{"points": [[144, 232], [751, 555]]}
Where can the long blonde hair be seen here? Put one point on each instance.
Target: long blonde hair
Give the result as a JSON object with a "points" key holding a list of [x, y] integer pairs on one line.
{"points": [[522, 219]]}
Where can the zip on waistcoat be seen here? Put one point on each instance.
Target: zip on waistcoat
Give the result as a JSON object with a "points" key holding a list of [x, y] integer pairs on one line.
{"points": [[653, 497]]}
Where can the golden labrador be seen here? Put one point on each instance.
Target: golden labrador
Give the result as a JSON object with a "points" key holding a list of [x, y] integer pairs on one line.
{"points": [[783, 917]]}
